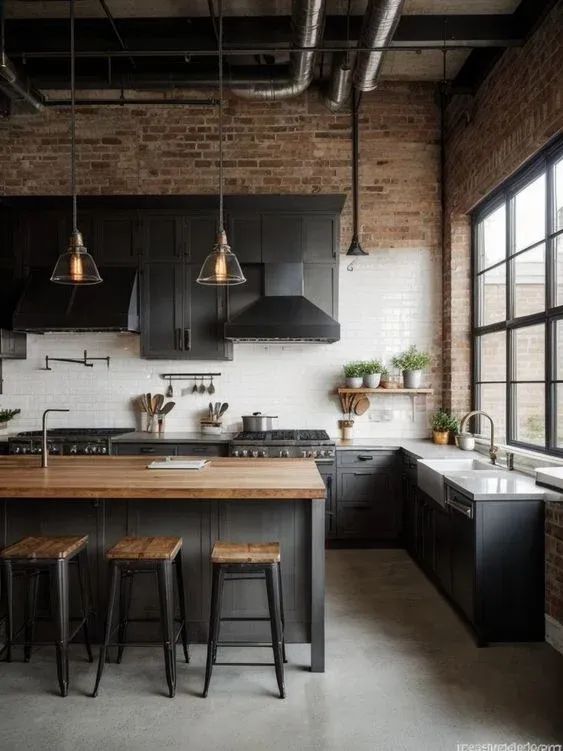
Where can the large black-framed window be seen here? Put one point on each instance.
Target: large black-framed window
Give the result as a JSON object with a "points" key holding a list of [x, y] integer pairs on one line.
{"points": [[518, 306]]}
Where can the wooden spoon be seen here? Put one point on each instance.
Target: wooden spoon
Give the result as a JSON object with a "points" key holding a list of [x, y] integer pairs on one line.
{"points": [[157, 402]]}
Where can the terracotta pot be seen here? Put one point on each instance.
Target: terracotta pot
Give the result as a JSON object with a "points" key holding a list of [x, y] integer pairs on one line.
{"points": [[441, 436]]}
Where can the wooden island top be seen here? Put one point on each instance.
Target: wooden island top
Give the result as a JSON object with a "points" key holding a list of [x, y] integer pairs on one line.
{"points": [[128, 477]]}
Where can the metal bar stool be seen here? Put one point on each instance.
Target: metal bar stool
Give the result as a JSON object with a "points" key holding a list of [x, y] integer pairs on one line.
{"points": [[146, 555], [244, 561], [50, 557]]}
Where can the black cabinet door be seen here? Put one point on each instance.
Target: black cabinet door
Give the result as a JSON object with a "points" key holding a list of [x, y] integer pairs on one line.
{"points": [[163, 236], [321, 286], [282, 238], [327, 473], [319, 239], [201, 233], [143, 449], [40, 236], [245, 236], [368, 507], [442, 558], [162, 310], [205, 313], [117, 238], [462, 551]]}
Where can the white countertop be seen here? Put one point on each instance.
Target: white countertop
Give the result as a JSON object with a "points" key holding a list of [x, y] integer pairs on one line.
{"points": [[495, 485]]}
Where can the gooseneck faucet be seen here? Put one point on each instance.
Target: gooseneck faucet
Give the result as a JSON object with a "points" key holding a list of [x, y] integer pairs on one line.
{"points": [[44, 449], [493, 450]]}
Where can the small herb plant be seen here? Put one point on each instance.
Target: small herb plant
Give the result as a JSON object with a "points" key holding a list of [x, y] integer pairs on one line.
{"points": [[7, 414], [373, 366], [443, 422], [411, 359], [354, 370]]}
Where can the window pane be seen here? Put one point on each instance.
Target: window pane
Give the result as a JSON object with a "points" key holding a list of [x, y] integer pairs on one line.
{"points": [[493, 356], [529, 277], [559, 416], [530, 413], [529, 353], [529, 214], [559, 270], [558, 195], [559, 350], [493, 295], [491, 236], [492, 400]]}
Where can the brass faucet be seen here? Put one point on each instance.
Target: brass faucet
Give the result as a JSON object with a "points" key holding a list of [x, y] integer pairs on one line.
{"points": [[493, 450], [44, 448]]}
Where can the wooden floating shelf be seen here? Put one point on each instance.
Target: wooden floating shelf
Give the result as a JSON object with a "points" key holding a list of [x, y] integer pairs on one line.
{"points": [[393, 392], [349, 398]]}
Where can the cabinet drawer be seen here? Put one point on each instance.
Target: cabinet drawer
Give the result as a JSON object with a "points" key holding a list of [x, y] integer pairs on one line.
{"points": [[142, 449], [368, 487], [202, 449], [366, 521], [365, 459]]}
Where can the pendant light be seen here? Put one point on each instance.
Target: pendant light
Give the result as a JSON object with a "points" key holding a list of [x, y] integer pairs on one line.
{"points": [[221, 267], [75, 266], [355, 248]]}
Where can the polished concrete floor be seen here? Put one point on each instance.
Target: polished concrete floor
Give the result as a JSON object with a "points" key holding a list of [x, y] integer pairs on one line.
{"points": [[402, 674]]}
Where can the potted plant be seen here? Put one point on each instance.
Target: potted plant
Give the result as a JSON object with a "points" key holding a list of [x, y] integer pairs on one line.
{"points": [[411, 362], [354, 374], [6, 415], [443, 424], [372, 373]]}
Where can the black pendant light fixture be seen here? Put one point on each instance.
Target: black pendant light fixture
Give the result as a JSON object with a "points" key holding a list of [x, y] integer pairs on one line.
{"points": [[355, 248], [75, 266], [221, 267]]}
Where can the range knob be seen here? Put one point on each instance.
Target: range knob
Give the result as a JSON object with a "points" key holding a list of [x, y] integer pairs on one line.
{"points": [[284, 453], [103, 450], [263, 453], [17, 450], [73, 449], [244, 452], [235, 452], [255, 453]]}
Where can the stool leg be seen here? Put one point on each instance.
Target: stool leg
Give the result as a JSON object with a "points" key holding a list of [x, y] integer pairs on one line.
{"points": [[60, 614], [166, 593], [273, 589], [112, 594], [85, 601], [182, 604], [125, 592], [9, 598], [30, 610], [282, 614], [214, 623]]}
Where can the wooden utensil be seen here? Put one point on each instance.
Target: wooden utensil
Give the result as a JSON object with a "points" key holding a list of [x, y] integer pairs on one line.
{"points": [[361, 406], [157, 402], [149, 403], [224, 408], [142, 402], [168, 407]]}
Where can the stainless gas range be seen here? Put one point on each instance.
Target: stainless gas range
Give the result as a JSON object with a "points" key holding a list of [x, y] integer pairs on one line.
{"points": [[273, 444], [67, 441]]}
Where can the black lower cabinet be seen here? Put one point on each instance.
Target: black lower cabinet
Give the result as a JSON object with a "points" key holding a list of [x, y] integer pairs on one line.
{"points": [[158, 448], [328, 473]]}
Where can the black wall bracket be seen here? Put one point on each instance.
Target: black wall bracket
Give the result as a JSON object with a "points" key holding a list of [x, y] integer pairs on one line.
{"points": [[88, 362]]}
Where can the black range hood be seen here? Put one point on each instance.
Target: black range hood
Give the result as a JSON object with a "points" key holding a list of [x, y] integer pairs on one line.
{"points": [[284, 314], [110, 306]]}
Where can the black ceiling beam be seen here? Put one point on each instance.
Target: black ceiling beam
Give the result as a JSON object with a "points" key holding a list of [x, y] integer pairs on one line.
{"points": [[33, 36], [524, 21]]}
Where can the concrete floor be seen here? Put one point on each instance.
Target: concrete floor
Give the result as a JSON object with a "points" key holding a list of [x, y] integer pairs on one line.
{"points": [[402, 674]]}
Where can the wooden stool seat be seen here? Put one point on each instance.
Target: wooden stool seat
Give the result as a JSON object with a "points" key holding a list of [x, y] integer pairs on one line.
{"points": [[44, 548], [145, 549], [237, 553]]}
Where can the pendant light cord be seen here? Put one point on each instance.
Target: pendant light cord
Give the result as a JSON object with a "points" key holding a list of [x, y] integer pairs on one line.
{"points": [[72, 125], [221, 227]]}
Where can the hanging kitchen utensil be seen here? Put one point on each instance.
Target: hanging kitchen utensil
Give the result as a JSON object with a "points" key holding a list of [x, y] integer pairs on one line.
{"points": [[195, 388], [202, 387], [169, 390], [211, 387], [361, 406]]}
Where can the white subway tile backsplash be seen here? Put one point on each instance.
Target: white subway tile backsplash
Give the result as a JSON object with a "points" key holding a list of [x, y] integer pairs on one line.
{"points": [[391, 299]]}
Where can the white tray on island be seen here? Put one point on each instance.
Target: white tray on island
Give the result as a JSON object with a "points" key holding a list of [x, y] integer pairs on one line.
{"points": [[169, 463]]}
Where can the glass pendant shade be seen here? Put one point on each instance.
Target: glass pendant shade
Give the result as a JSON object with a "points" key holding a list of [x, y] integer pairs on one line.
{"points": [[221, 267], [76, 266]]}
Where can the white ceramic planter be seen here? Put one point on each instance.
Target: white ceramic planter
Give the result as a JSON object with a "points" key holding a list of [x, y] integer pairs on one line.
{"points": [[372, 380], [354, 383], [412, 379]]}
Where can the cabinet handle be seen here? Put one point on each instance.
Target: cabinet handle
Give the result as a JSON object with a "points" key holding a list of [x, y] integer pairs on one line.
{"points": [[461, 507], [187, 339], [147, 450], [179, 339], [365, 458]]}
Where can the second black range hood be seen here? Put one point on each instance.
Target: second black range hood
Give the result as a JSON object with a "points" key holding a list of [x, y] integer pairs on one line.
{"points": [[111, 306], [284, 314]]}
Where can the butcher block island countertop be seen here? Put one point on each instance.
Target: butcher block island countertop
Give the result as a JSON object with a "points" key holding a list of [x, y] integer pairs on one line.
{"points": [[128, 477]]}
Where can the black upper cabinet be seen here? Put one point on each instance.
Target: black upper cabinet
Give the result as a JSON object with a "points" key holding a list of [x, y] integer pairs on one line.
{"points": [[163, 236], [40, 237], [201, 233], [319, 239], [281, 238], [117, 238], [244, 232], [321, 286], [162, 311]]}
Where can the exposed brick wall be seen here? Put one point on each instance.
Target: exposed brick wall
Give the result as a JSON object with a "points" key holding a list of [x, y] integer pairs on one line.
{"points": [[513, 115], [488, 137], [296, 146]]}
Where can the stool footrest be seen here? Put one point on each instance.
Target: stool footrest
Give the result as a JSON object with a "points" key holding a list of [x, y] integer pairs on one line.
{"points": [[243, 619], [261, 644], [247, 664]]}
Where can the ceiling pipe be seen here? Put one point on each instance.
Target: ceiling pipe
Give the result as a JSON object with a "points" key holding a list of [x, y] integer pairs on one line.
{"points": [[15, 86], [378, 28], [307, 19]]}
